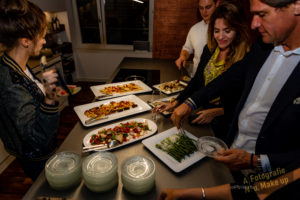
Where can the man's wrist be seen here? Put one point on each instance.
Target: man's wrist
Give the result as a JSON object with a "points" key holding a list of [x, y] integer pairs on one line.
{"points": [[259, 164], [253, 161], [184, 55]]}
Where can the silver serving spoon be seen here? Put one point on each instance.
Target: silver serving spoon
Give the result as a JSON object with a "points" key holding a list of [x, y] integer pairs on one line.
{"points": [[113, 143]]}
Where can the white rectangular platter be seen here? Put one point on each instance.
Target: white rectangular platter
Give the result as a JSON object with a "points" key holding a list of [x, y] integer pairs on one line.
{"points": [[96, 89], [165, 100], [141, 107], [168, 92], [168, 160], [151, 124]]}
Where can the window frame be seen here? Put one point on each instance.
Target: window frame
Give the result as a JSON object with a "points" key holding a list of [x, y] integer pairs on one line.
{"points": [[102, 29]]}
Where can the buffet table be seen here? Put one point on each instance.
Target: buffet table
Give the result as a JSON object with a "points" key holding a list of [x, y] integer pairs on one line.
{"points": [[205, 172]]}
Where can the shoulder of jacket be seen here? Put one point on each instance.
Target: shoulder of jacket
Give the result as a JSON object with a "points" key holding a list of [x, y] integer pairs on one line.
{"points": [[208, 51], [4, 70], [7, 77]]}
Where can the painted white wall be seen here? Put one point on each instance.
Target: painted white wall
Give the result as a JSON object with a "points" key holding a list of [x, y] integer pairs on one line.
{"points": [[97, 65]]}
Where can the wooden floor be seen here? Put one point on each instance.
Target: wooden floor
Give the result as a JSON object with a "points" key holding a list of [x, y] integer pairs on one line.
{"points": [[13, 182]]}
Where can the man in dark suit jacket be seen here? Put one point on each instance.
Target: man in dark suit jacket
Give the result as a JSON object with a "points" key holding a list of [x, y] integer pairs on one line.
{"points": [[265, 132]]}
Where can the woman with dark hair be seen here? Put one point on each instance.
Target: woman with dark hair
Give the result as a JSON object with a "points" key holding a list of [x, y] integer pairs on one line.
{"points": [[228, 40], [29, 109]]}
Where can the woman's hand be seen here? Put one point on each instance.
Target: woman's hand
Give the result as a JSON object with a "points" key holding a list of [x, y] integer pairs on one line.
{"points": [[180, 113], [165, 107], [206, 116], [49, 83]]}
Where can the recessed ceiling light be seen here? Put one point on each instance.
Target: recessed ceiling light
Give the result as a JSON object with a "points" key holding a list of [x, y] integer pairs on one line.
{"points": [[138, 1]]}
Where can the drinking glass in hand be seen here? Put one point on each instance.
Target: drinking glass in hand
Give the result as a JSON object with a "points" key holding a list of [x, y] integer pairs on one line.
{"points": [[155, 115]]}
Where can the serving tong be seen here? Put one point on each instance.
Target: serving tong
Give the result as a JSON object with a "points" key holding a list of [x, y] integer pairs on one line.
{"points": [[93, 119], [183, 72], [100, 97], [182, 131], [111, 144]]}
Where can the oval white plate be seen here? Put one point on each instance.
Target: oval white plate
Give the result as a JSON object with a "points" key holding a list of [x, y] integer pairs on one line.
{"points": [[152, 127]]}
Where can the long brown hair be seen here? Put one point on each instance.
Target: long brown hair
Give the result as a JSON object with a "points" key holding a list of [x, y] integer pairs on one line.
{"points": [[235, 20], [20, 19]]}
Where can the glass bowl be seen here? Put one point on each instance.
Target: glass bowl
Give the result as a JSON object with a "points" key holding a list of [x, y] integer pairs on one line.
{"points": [[100, 171], [63, 170], [209, 145], [138, 174]]}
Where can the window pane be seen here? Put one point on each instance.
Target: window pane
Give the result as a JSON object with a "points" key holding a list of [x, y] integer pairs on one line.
{"points": [[88, 20], [126, 21]]}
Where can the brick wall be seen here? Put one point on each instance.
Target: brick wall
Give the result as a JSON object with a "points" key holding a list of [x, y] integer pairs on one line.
{"points": [[172, 21]]}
